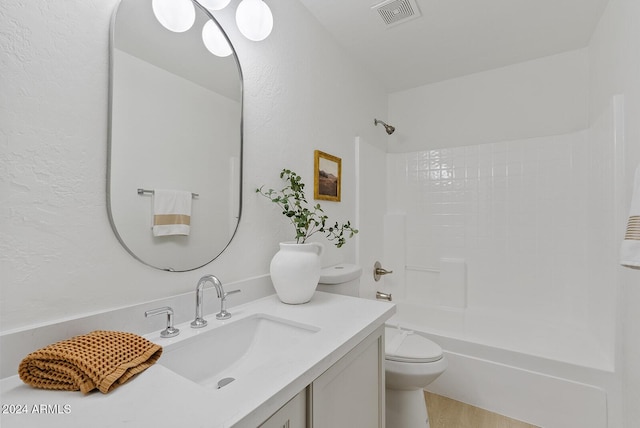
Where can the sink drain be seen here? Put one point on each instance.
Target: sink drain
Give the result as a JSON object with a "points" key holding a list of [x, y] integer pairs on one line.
{"points": [[224, 382]]}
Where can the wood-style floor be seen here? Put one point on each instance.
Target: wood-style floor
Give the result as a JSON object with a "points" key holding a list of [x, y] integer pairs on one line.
{"points": [[447, 413]]}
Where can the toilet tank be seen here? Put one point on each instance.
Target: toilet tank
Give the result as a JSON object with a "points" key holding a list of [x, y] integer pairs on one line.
{"points": [[343, 278]]}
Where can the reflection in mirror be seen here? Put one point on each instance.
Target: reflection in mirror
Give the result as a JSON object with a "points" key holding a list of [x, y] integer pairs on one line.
{"points": [[175, 123]]}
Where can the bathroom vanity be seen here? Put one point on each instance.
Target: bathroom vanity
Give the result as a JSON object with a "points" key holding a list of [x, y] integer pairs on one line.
{"points": [[313, 365]]}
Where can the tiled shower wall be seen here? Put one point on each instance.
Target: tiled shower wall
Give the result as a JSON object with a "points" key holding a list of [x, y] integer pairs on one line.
{"points": [[527, 216]]}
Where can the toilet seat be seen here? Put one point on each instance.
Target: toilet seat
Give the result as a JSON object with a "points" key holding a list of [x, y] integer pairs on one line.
{"points": [[407, 347]]}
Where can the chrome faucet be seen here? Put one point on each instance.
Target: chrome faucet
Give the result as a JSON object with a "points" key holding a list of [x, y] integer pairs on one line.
{"points": [[200, 322], [170, 331]]}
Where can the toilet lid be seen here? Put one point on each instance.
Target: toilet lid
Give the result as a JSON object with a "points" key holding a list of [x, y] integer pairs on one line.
{"points": [[408, 347], [339, 274]]}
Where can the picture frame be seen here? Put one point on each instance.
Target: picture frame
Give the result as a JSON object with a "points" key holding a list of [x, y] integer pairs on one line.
{"points": [[327, 177]]}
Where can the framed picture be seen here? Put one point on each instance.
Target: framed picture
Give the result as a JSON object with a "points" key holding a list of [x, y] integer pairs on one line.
{"points": [[327, 173]]}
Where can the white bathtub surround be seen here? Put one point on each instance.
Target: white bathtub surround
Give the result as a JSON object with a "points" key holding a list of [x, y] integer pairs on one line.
{"points": [[394, 256], [160, 397], [504, 330], [452, 282], [534, 222], [630, 249]]}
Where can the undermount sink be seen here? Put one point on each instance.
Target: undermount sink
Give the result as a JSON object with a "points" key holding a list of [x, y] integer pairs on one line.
{"points": [[232, 350]]}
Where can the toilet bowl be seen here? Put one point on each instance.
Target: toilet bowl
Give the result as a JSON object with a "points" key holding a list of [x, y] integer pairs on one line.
{"points": [[411, 361]]}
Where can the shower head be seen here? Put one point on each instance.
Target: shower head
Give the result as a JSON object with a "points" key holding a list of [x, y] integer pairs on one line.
{"points": [[387, 128]]}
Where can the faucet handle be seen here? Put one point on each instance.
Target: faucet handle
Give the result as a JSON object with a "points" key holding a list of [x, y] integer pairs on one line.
{"points": [[199, 322], [223, 314], [170, 331], [378, 271], [226, 293]]}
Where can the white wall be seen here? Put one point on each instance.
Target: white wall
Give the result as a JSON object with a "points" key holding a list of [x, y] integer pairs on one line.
{"points": [[614, 58], [58, 255], [546, 96]]}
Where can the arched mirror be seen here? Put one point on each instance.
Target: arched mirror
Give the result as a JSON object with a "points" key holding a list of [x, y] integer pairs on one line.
{"points": [[175, 123]]}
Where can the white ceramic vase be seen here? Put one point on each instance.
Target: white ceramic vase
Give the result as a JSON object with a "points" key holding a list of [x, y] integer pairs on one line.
{"points": [[295, 271]]}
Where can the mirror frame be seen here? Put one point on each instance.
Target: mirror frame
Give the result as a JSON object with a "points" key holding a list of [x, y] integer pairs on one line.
{"points": [[109, 142]]}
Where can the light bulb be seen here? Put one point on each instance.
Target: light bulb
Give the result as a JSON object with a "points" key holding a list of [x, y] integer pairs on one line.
{"points": [[214, 4], [175, 15], [254, 19], [214, 41]]}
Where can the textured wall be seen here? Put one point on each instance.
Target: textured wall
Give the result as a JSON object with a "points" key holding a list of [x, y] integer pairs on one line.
{"points": [[58, 255]]}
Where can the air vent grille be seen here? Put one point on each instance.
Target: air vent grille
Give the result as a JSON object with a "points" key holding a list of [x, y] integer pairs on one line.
{"points": [[394, 12]]}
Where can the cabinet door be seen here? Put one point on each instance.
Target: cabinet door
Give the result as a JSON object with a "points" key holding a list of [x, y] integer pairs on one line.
{"points": [[350, 394], [291, 415]]}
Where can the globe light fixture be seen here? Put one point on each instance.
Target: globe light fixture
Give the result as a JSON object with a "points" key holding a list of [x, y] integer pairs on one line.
{"points": [[175, 15], [254, 19], [214, 4], [214, 40]]}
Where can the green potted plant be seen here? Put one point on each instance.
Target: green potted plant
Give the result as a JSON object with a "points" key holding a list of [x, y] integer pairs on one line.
{"points": [[295, 269]]}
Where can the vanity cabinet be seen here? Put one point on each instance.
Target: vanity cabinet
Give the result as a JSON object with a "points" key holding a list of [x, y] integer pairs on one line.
{"points": [[350, 394], [291, 415]]}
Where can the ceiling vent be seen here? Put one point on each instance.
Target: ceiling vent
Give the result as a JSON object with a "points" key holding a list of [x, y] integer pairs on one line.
{"points": [[394, 12]]}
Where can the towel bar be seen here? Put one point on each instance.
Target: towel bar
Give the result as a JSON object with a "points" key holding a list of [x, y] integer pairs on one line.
{"points": [[150, 192]]}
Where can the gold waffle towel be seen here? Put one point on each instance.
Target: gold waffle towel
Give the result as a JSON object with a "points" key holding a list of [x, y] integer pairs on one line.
{"points": [[100, 359]]}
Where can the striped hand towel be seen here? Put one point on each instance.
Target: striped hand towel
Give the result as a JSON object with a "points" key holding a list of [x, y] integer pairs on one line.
{"points": [[630, 250], [171, 212]]}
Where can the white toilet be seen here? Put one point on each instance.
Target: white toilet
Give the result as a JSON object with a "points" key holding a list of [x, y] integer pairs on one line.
{"points": [[343, 278], [411, 361]]}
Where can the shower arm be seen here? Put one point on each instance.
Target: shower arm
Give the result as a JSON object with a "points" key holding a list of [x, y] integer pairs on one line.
{"points": [[390, 129]]}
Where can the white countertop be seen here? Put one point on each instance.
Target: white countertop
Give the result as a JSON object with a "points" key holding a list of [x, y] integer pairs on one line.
{"points": [[159, 397]]}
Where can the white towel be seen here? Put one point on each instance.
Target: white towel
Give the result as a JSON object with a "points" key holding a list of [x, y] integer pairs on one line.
{"points": [[630, 250], [171, 212]]}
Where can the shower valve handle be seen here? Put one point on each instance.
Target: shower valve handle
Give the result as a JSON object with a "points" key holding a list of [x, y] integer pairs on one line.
{"points": [[378, 271]]}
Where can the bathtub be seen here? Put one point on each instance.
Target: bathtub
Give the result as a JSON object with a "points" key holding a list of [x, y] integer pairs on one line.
{"points": [[543, 375]]}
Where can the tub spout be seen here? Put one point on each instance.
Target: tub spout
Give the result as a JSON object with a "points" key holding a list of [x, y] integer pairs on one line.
{"points": [[383, 296]]}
